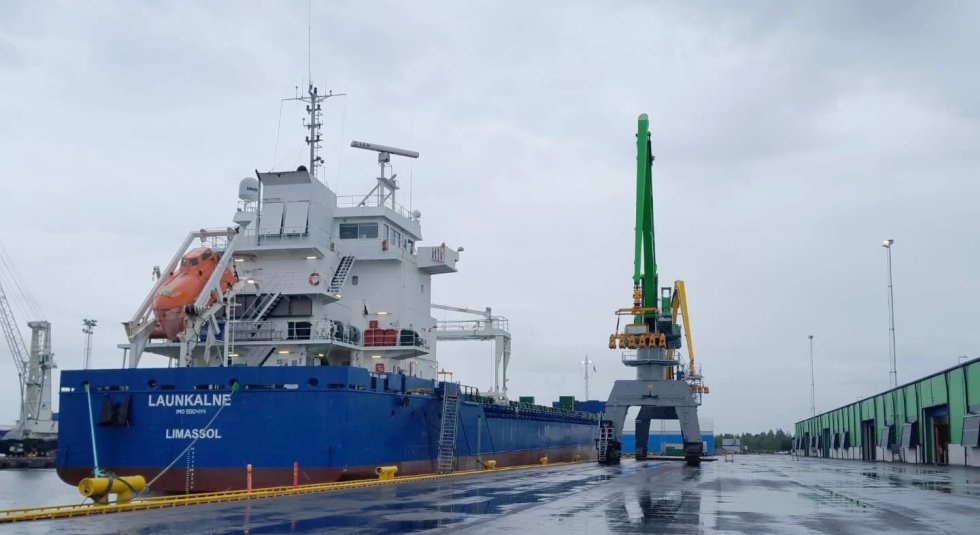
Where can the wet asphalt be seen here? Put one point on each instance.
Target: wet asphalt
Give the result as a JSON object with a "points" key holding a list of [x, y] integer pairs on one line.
{"points": [[753, 494]]}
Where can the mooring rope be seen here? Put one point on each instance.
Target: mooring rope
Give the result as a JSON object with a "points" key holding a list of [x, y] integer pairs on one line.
{"points": [[91, 426]]}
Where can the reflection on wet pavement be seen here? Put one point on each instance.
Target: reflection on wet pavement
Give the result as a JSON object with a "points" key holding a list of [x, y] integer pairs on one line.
{"points": [[755, 494]]}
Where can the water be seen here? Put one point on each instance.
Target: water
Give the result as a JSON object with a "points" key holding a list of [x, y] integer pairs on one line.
{"points": [[32, 487]]}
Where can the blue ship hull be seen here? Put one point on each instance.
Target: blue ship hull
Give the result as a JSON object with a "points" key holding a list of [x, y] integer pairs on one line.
{"points": [[333, 423]]}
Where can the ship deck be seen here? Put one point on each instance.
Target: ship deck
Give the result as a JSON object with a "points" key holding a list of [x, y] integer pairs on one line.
{"points": [[754, 494]]}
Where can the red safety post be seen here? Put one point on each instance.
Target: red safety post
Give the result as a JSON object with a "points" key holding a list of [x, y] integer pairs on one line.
{"points": [[248, 478], [295, 475]]}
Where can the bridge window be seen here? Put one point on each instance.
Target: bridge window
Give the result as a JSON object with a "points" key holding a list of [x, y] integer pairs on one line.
{"points": [[358, 231]]}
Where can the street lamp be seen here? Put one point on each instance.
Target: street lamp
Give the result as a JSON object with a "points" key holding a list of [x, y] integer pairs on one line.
{"points": [[813, 404], [88, 327], [887, 244]]}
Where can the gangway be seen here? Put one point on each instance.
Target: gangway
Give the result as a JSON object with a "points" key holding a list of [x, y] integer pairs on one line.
{"points": [[448, 427], [490, 327]]}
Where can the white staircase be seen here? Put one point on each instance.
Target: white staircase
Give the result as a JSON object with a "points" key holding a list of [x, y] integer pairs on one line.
{"points": [[269, 303], [340, 276], [447, 432]]}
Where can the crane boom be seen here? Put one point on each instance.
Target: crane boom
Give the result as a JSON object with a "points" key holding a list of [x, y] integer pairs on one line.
{"points": [[18, 350], [485, 313]]}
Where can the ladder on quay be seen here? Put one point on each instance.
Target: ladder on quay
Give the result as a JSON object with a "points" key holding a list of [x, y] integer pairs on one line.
{"points": [[605, 440]]}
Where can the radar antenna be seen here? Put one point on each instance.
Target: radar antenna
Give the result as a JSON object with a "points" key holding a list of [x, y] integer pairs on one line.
{"points": [[387, 185], [314, 123]]}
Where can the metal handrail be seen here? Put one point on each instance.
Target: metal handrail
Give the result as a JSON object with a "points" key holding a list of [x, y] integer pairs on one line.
{"points": [[632, 357], [496, 322], [355, 201]]}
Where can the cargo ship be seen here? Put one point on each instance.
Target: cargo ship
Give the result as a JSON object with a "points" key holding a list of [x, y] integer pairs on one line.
{"points": [[298, 344]]}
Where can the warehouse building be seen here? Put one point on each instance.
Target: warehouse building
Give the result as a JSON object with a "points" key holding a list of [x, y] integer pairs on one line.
{"points": [[935, 420]]}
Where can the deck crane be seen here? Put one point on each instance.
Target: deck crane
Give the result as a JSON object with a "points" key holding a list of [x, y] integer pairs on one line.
{"points": [[36, 429], [651, 340], [494, 328]]}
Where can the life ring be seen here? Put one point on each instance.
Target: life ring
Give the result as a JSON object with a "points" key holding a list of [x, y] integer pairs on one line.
{"points": [[314, 279]]}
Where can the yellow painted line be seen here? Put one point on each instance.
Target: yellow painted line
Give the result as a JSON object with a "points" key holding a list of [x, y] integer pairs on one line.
{"points": [[162, 502]]}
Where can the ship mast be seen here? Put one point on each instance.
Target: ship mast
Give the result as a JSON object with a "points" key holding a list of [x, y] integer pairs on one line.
{"points": [[314, 123]]}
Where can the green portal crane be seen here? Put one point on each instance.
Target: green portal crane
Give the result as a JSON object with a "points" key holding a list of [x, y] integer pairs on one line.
{"points": [[662, 390], [654, 324]]}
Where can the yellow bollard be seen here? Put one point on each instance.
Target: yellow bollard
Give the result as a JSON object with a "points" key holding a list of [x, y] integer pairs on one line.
{"points": [[99, 488], [490, 465], [386, 473], [544, 460]]}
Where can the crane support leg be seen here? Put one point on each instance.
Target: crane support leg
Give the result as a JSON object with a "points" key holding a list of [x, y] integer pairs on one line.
{"points": [[661, 400]]}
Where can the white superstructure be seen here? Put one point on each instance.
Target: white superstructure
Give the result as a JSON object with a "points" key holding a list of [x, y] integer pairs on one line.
{"points": [[321, 279]]}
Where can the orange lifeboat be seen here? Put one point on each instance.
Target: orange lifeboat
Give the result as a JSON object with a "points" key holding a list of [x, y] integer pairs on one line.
{"points": [[182, 287]]}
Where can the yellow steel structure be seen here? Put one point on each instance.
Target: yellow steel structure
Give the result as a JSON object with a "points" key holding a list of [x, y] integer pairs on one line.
{"points": [[386, 473], [163, 502], [680, 303], [99, 488]]}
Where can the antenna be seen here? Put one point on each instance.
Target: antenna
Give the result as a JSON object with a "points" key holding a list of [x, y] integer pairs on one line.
{"points": [[387, 185], [88, 327], [314, 123]]}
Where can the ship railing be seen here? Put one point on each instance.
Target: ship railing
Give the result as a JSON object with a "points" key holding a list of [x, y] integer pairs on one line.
{"points": [[496, 322], [285, 235], [527, 410], [354, 201], [472, 393], [297, 329], [286, 330]]}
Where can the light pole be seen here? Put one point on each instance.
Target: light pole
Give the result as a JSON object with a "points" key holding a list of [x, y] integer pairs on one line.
{"points": [[87, 327], [887, 244], [813, 404], [587, 362]]}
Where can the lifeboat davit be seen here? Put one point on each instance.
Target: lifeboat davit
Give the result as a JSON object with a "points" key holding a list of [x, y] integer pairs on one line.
{"points": [[181, 288]]}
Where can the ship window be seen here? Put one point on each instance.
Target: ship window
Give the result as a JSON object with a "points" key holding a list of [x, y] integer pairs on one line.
{"points": [[206, 255], [353, 280], [367, 230], [299, 330], [348, 231], [193, 261]]}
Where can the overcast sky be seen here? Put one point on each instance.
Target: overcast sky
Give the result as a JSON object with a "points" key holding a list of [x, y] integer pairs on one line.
{"points": [[790, 141]]}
